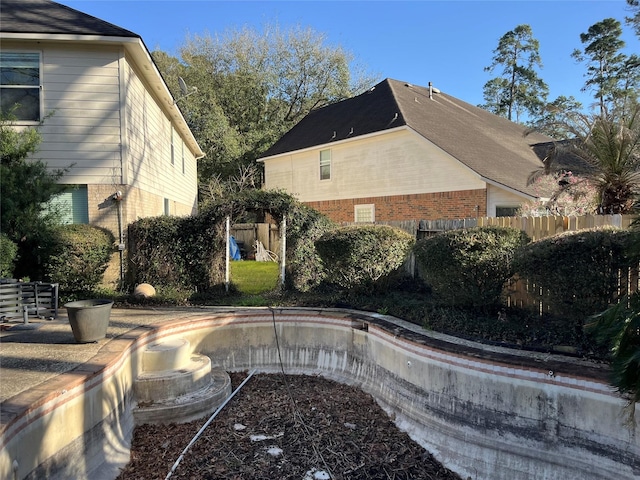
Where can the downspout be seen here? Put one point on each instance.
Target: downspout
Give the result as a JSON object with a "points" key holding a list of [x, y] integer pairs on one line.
{"points": [[117, 197], [123, 74]]}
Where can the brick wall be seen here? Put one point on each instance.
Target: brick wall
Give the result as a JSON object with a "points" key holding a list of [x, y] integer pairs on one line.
{"points": [[103, 211], [136, 204], [424, 206]]}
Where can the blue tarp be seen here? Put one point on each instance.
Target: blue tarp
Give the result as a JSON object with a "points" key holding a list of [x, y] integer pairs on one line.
{"points": [[234, 251]]}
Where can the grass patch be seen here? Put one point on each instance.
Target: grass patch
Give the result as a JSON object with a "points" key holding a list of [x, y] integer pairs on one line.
{"points": [[253, 278]]}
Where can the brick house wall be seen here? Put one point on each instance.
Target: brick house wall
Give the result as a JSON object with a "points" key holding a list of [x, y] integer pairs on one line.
{"points": [[425, 206]]}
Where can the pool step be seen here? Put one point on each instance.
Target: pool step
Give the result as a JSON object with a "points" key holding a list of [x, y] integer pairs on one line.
{"points": [[166, 355], [177, 386]]}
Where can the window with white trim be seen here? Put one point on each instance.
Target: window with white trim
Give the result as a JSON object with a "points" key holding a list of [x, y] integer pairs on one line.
{"points": [[325, 164], [506, 211], [365, 213], [20, 85]]}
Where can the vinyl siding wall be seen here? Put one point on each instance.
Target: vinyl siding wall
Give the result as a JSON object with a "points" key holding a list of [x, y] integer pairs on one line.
{"points": [[103, 125], [397, 163], [81, 91], [502, 198], [400, 173], [149, 133]]}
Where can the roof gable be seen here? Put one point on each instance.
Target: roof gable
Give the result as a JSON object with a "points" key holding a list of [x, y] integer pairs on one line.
{"points": [[372, 111], [47, 17], [495, 148]]}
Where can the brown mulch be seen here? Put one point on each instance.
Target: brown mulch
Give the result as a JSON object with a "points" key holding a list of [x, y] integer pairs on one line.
{"points": [[334, 432]]}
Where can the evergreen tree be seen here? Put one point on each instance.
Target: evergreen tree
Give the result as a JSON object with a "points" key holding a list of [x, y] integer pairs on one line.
{"points": [[634, 20], [552, 119], [607, 74], [26, 185], [519, 90]]}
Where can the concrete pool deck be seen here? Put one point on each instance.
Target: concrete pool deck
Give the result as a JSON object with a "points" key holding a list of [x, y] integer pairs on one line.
{"points": [[448, 389], [34, 354]]}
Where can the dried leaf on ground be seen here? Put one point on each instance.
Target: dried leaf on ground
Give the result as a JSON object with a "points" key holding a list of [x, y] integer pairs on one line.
{"points": [[286, 427]]}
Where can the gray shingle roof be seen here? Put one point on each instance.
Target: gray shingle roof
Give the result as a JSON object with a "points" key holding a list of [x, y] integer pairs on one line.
{"points": [[47, 17], [494, 147]]}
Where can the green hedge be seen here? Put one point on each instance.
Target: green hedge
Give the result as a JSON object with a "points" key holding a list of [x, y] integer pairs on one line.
{"points": [[468, 267], [305, 269], [176, 252], [578, 271], [358, 256], [8, 256], [189, 252], [80, 255]]}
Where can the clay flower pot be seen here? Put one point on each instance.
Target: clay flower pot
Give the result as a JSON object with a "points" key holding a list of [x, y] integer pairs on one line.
{"points": [[89, 319]]}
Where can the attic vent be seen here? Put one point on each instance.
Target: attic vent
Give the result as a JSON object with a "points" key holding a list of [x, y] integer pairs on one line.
{"points": [[408, 85], [432, 90]]}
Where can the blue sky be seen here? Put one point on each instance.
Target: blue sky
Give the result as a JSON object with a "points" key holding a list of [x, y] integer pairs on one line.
{"points": [[446, 42]]}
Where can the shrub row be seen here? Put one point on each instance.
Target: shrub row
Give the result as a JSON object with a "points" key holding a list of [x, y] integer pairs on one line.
{"points": [[176, 252], [189, 252], [578, 271], [357, 257], [468, 268]]}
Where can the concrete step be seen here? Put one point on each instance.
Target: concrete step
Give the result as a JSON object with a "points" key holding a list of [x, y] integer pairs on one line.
{"points": [[170, 354], [189, 407], [160, 385]]}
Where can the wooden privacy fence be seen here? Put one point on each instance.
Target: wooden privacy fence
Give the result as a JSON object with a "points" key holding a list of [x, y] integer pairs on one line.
{"points": [[526, 294], [535, 227], [246, 235], [523, 293]]}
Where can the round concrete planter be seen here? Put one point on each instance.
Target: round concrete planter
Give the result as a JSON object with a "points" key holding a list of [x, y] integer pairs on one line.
{"points": [[89, 319]]}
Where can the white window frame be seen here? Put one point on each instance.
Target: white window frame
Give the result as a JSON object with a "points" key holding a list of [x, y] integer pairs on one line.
{"points": [[184, 170], [173, 147], [38, 87], [324, 162], [363, 208]]}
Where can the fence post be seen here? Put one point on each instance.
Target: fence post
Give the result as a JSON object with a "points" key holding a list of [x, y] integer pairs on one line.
{"points": [[283, 246], [227, 265]]}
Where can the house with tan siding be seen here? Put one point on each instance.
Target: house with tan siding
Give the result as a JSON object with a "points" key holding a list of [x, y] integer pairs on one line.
{"points": [[405, 152], [106, 112]]}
